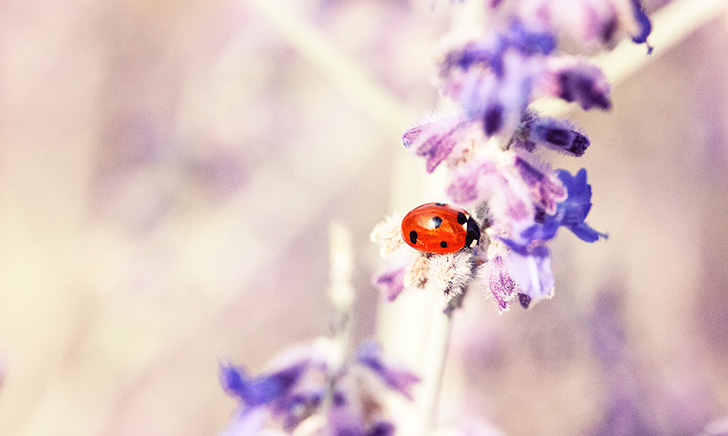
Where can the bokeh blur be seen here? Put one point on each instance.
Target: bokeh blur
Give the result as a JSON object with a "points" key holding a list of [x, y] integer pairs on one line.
{"points": [[169, 170]]}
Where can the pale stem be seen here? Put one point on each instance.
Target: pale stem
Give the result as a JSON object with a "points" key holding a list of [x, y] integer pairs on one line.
{"points": [[434, 369], [349, 75], [341, 291]]}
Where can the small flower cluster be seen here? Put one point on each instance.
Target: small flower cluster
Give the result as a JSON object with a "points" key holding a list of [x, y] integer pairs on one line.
{"points": [[308, 393], [490, 146]]}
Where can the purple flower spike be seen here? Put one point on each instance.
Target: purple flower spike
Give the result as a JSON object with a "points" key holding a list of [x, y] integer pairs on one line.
{"points": [[644, 24], [261, 390], [558, 135], [369, 355], [434, 140]]}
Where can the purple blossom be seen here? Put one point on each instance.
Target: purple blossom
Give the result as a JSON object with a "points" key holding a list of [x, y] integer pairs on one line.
{"points": [[370, 355], [570, 213], [643, 24], [297, 390], [558, 135], [489, 53], [524, 300], [435, 139], [531, 269], [261, 390], [342, 421], [390, 282], [466, 185], [509, 200], [299, 406], [588, 22], [472, 53], [545, 190], [514, 190], [576, 81], [492, 79], [381, 428], [497, 278], [529, 42], [507, 99]]}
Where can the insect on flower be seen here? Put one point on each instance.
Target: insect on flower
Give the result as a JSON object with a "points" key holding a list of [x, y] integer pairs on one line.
{"points": [[439, 228]]}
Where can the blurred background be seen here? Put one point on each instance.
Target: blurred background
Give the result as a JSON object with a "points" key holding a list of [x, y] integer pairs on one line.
{"points": [[169, 170]]}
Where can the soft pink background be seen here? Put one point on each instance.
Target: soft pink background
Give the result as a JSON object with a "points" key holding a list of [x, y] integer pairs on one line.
{"points": [[168, 172]]}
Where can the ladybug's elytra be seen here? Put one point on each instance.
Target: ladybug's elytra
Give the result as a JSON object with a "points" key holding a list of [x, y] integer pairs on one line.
{"points": [[439, 228]]}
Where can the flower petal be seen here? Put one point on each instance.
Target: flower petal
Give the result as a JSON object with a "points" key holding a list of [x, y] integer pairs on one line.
{"points": [[369, 355], [390, 282], [533, 273], [261, 390]]}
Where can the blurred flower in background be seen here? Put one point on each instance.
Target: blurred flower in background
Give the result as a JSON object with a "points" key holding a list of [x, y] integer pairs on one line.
{"points": [[306, 385]]}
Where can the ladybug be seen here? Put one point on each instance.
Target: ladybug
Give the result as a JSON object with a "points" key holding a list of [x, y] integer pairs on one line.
{"points": [[439, 228]]}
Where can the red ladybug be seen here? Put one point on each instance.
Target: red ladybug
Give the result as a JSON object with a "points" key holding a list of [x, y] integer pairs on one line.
{"points": [[439, 228]]}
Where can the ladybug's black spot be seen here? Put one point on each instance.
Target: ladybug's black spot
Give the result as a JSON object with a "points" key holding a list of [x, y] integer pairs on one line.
{"points": [[413, 237], [443, 244], [440, 204], [462, 219], [436, 221]]}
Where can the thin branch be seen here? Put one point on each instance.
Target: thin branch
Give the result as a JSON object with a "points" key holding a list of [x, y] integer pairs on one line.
{"points": [[337, 65]]}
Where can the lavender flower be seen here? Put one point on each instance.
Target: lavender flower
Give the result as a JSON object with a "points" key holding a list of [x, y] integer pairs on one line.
{"points": [[436, 138], [369, 355], [558, 135], [643, 25], [488, 147], [261, 390], [532, 271], [390, 282], [574, 80], [570, 213], [591, 23], [306, 384]]}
